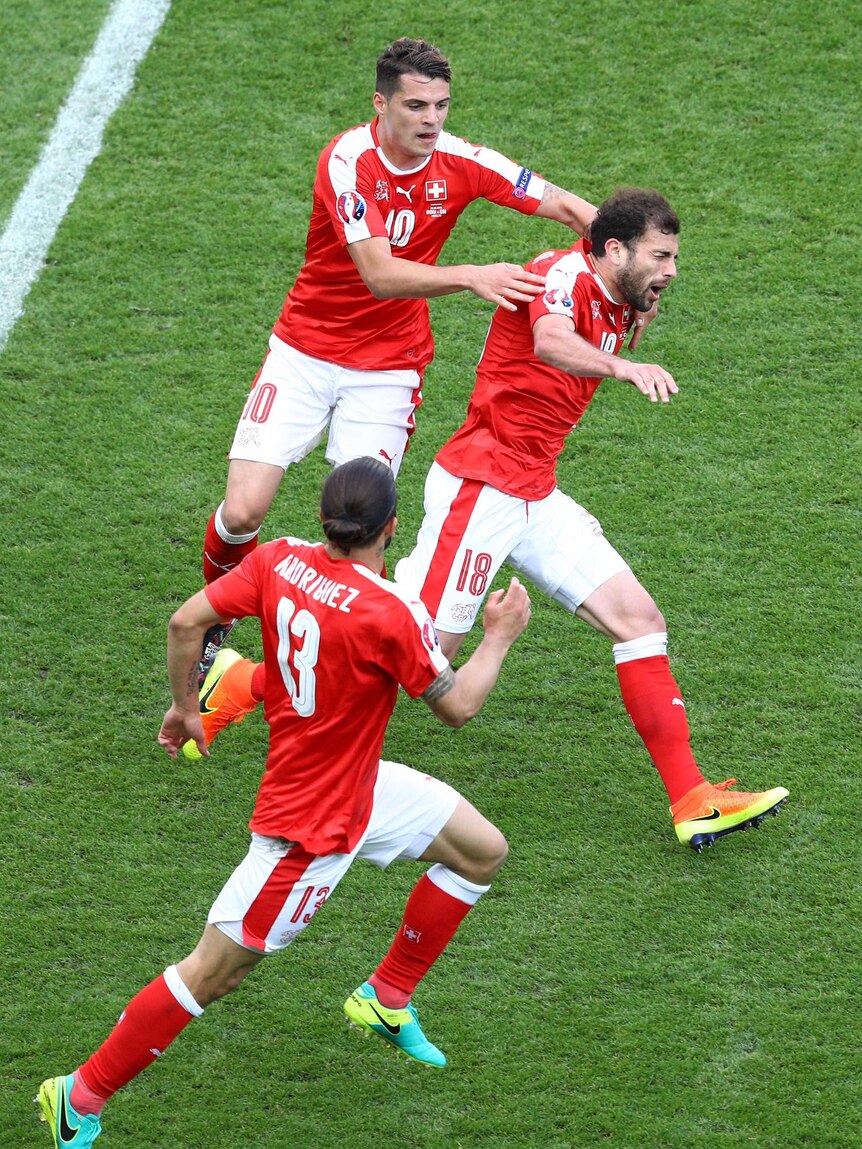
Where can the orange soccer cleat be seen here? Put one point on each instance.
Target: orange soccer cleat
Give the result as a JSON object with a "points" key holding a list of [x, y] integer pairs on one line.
{"points": [[708, 812], [225, 696]]}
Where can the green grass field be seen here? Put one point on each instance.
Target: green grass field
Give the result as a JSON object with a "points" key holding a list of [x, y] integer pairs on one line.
{"points": [[614, 989]]}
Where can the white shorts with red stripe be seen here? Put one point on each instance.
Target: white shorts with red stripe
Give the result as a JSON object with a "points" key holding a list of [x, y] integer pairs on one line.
{"points": [[470, 529], [295, 398], [277, 889]]}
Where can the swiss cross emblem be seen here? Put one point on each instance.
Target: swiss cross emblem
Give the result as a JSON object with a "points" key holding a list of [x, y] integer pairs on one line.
{"points": [[435, 190]]}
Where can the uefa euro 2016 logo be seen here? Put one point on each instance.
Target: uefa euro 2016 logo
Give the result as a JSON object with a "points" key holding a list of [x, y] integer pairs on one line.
{"points": [[350, 206], [558, 297], [429, 635]]}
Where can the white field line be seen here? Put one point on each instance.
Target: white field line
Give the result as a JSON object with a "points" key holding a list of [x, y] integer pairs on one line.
{"points": [[104, 80]]}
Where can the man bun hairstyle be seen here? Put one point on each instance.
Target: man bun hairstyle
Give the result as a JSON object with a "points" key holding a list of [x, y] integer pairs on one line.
{"points": [[627, 215], [407, 55], [357, 502]]}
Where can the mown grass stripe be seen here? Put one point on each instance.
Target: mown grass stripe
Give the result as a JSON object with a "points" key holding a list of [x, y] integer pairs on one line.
{"points": [[104, 80]]}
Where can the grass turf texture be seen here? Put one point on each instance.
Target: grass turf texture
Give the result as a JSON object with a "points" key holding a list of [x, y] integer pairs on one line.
{"points": [[614, 989]]}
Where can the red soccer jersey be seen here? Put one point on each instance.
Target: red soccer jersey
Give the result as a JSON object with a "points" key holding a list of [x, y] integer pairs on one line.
{"points": [[522, 409], [329, 313], [338, 640]]}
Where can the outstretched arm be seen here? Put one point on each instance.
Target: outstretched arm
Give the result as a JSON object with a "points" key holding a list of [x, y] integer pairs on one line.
{"points": [[556, 342], [456, 696], [386, 277]]}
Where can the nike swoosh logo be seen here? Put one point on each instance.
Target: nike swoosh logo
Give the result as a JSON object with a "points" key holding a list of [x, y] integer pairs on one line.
{"points": [[205, 700], [708, 817], [67, 1133], [393, 1029]]}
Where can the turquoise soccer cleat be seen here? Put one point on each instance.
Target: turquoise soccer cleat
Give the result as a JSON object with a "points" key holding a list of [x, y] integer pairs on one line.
{"points": [[69, 1129], [400, 1027]]}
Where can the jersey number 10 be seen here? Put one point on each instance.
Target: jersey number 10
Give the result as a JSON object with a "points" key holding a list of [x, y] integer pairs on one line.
{"points": [[399, 226]]}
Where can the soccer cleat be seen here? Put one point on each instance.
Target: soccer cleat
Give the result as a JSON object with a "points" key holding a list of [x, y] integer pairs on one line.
{"points": [[708, 812], [214, 640], [70, 1130], [224, 697], [400, 1027]]}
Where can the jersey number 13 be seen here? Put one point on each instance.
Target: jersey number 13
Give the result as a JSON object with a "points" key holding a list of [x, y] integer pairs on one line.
{"points": [[297, 663]]}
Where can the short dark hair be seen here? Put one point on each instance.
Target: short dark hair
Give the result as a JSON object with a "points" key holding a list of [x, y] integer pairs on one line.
{"points": [[628, 214], [357, 502], [406, 55]]}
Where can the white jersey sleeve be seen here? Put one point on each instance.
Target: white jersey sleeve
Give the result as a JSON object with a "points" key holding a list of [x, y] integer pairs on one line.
{"points": [[348, 203]]}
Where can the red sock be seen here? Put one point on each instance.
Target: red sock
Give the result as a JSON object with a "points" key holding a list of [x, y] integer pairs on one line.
{"points": [[258, 681], [656, 708], [431, 918], [147, 1026], [83, 1099], [219, 556]]}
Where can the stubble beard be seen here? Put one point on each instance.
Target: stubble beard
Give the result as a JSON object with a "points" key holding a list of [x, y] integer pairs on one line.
{"points": [[633, 290]]}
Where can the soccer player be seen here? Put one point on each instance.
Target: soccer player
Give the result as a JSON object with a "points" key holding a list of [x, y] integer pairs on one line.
{"points": [[492, 492], [350, 347], [338, 640]]}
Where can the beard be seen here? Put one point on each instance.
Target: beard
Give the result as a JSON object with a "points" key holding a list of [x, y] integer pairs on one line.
{"points": [[634, 289]]}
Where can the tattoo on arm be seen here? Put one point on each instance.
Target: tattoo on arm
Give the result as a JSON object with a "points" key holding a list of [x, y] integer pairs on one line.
{"points": [[441, 685], [192, 686], [567, 208], [555, 198]]}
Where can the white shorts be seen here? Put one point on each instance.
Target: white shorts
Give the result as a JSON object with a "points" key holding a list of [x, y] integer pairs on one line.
{"points": [[471, 528], [295, 398], [278, 887]]}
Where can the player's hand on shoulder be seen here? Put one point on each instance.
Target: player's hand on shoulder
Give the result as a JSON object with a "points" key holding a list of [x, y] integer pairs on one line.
{"points": [[650, 379], [507, 612], [506, 284]]}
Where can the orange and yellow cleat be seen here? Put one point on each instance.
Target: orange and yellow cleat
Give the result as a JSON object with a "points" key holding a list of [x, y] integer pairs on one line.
{"points": [[225, 696], [708, 812]]}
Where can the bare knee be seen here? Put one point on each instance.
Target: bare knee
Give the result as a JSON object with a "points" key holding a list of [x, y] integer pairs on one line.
{"points": [[636, 619], [251, 487], [212, 988], [469, 845], [622, 609], [498, 856], [207, 985], [487, 861], [652, 621], [215, 967], [240, 516]]}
